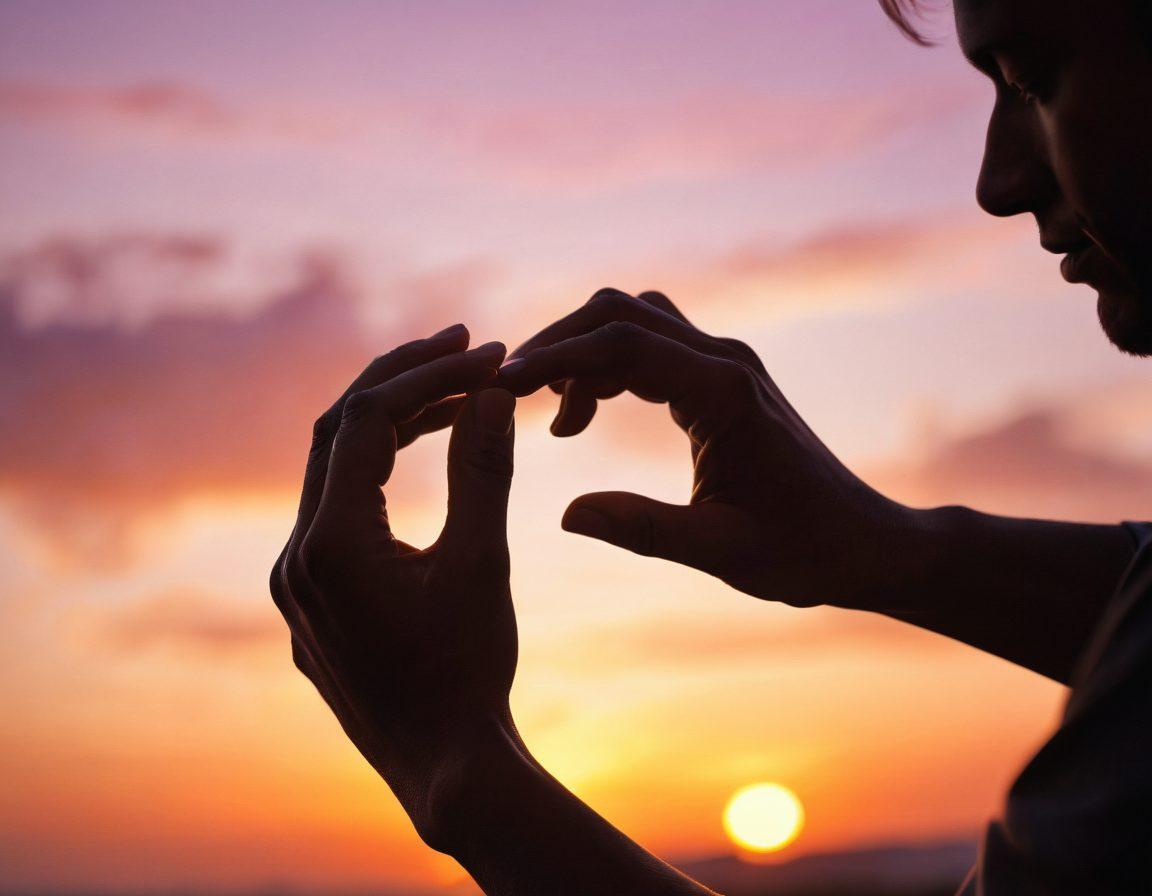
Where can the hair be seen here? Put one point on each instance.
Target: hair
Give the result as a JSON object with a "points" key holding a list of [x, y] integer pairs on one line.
{"points": [[902, 12]]}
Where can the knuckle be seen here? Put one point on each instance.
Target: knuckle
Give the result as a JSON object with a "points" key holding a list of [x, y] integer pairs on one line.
{"points": [[644, 535], [490, 457], [483, 561], [739, 381], [278, 583], [281, 591], [357, 408], [740, 348], [608, 294], [316, 560], [743, 351], [653, 295], [384, 363], [618, 306], [325, 427], [300, 659], [621, 340], [621, 333]]}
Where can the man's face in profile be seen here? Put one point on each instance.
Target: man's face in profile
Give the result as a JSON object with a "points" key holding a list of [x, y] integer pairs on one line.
{"points": [[1070, 140]]}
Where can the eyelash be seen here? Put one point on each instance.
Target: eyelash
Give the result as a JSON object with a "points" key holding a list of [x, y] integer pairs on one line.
{"points": [[1029, 96]]}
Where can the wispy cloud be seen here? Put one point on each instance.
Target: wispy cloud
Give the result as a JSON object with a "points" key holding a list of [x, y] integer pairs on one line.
{"points": [[851, 264], [1058, 460], [699, 642], [561, 145], [157, 105], [184, 619]]}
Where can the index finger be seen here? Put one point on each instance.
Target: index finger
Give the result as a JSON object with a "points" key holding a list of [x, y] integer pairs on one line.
{"points": [[609, 305], [385, 367], [699, 387], [364, 451]]}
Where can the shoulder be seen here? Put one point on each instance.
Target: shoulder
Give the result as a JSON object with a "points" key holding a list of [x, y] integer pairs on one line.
{"points": [[1079, 817]]}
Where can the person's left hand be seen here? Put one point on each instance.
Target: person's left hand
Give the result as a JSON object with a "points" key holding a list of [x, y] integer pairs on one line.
{"points": [[414, 650], [772, 512]]}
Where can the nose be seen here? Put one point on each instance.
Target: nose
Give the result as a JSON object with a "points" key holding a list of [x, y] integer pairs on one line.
{"points": [[1015, 176]]}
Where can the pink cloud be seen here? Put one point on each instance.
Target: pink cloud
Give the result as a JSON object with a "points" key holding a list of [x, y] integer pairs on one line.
{"points": [[106, 423], [1040, 462], [150, 106], [852, 263]]}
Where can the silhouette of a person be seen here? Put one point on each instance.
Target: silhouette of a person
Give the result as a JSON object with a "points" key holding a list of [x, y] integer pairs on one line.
{"points": [[415, 650]]}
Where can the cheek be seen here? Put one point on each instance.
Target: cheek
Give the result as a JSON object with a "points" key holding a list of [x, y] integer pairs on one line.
{"points": [[1100, 140]]}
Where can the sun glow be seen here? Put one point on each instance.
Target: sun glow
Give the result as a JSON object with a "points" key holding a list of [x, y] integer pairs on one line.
{"points": [[763, 817]]}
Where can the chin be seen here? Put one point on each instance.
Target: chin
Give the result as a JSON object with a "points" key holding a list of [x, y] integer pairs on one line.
{"points": [[1126, 316]]}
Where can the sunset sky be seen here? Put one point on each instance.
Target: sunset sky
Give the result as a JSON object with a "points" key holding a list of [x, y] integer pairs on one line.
{"points": [[216, 213]]}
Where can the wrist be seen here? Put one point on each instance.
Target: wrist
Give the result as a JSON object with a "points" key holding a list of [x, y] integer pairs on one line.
{"points": [[907, 553], [461, 779]]}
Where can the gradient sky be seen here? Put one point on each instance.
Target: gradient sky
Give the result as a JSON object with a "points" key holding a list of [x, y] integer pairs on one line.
{"points": [[216, 213]]}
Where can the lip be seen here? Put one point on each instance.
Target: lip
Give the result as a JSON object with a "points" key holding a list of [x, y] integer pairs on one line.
{"points": [[1072, 266]]}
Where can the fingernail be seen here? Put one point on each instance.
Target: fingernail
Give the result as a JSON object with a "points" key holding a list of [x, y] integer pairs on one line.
{"points": [[490, 348], [585, 521], [514, 365], [449, 332], [494, 410]]}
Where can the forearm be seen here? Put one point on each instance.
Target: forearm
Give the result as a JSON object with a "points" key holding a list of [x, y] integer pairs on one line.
{"points": [[519, 832], [1030, 591]]}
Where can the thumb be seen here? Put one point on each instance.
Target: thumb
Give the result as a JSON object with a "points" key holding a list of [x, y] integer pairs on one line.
{"points": [[638, 524], [480, 472]]}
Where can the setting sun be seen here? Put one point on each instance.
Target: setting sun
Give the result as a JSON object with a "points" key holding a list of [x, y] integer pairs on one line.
{"points": [[763, 817]]}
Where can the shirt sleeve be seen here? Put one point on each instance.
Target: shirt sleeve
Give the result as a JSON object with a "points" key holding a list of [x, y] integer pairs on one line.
{"points": [[1078, 819]]}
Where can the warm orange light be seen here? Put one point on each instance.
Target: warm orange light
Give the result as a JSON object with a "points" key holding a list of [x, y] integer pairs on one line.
{"points": [[763, 817]]}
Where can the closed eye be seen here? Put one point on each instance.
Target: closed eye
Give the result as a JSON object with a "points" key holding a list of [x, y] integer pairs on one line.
{"points": [[1027, 94]]}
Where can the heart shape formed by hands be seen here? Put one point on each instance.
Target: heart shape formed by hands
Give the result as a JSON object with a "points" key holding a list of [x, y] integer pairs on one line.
{"points": [[415, 649]]}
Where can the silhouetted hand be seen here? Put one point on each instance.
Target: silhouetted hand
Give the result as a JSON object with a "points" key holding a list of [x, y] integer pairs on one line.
{"points": [[772, 513], [414, 650]]}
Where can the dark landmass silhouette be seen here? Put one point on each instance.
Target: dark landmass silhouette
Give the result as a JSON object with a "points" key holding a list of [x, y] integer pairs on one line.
{"points": [[934, 869]]}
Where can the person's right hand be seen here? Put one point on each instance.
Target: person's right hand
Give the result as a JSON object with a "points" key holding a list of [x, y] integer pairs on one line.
{"points": [[413, 649], [773, 513]]}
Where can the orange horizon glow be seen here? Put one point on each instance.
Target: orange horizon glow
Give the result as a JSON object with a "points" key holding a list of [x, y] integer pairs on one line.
{"points": [[218, 213]]}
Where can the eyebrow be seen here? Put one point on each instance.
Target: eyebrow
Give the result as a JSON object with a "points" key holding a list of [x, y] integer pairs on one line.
{"points": [[982, 57]]}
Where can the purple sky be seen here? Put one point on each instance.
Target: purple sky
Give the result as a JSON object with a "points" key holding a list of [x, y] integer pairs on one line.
{"points": [[215, 213]]}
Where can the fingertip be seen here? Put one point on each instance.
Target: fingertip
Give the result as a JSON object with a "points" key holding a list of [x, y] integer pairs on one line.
{"points": [[452, 333], [513, 366], [566, 425], [577, 408], [495, 410], [583, 520], [494, 350]]}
